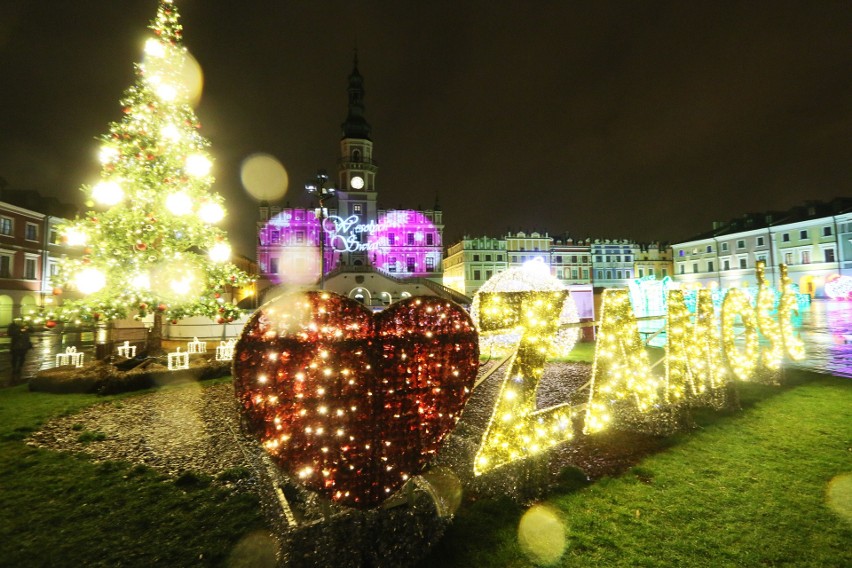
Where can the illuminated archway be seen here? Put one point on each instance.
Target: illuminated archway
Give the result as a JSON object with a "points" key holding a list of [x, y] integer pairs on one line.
{"points": [[362, 295], [807, 285]]}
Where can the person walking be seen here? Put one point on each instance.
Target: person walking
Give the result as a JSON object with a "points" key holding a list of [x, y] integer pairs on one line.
{"points": [[19, 334]]}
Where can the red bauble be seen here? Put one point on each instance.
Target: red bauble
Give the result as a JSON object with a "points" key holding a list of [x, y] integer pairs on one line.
{"points": [[141, 246], [217, 295], [57, 291], [87, 250], [221, 310], [230, 319], [50, 324], [162, 307], [143, 306], [221, 320], [351, 403], [96, 316], [174, 322]]}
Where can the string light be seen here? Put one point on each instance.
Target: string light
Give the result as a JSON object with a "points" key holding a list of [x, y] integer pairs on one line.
{"points": [[793, 345], [351, 403], [516, 430], [742, 363], [773, 354], [622, 387], [695, 371]]}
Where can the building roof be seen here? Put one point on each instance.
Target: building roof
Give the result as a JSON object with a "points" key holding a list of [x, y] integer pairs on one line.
{"points": [[752, 221]]}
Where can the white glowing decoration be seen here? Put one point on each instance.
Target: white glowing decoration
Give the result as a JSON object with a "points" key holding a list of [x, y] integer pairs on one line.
{"points": [[178, 360], [196, 346], [70, 357], [108, 154], [839, 287], [166, 92], [179, 203], [155, 48], [90, 280], [170, 132], [533, 276], [211, 212], [220, 252], [141, 281], [108, 193], [181, 286], [198, 165], [75, 237]]}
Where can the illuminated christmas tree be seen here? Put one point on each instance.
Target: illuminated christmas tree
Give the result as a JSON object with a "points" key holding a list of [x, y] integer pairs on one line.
{"points": [[150, 243]]}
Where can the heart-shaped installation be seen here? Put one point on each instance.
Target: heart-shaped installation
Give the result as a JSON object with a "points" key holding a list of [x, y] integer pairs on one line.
{"points": [[352, 403]]}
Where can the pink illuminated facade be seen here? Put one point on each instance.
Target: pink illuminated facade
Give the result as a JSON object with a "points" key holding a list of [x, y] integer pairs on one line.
{"points": [[358, 234]]}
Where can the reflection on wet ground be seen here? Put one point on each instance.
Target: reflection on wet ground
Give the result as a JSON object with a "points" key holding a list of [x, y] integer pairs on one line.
{"points": [[826, 329], [46, 344]]}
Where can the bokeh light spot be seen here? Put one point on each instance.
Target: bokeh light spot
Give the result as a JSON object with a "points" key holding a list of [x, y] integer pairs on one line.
{"points": [[263, 177], [838, 496], [541, 534]]}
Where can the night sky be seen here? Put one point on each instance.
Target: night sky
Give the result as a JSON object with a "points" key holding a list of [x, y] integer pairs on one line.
{"points": [[643, 120]]}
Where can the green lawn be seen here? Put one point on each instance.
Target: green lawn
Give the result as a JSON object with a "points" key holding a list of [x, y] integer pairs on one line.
{"points": [[63, 510], [747, 488]]}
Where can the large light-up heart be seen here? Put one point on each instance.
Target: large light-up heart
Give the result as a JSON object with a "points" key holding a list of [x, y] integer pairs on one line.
{"points": [[353, 403]]}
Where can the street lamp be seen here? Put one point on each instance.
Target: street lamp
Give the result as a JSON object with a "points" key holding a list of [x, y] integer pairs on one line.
{"points": [[317, 187]]}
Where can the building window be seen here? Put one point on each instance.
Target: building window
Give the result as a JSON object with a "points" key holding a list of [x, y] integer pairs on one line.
{"points": [[760, 241], [618, 274], [806, 257], [54, 236], [761, 258], [430, 264], [726, 265], [724, 247], [709, 248], [477, 275], [585, 274], [681, 267], [409, 264], [627, 258], [30, 268], [391, 264], [788, 258], [785, 238], [609, 274], [600, 258], [695, 268], [489, 274], [741, 244], [826, 231], [31, 232], [300, 237], [430, 239], [476, 258], [6, 226], [829, 255], [743, 262], [803, 234], [641, 272], [665, 272], [487, 257], [600, 275], [391, 238], [357, 209], [409, 238], [709, 266], [273, 266], [499, 258], [5, 265], [558, 260], [274, 237]]}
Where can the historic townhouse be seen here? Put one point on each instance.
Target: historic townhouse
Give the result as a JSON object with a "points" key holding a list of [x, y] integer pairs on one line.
{"points": [[812, 240], [612, 262], [571, 261], [653, 259], [522, 248], [472, 261]]}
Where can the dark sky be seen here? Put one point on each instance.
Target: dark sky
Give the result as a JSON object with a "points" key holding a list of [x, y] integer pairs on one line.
{"points": [[644, 120]]}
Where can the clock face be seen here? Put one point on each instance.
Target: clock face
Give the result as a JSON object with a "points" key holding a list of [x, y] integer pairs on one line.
{"points": [[357, 182]]}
